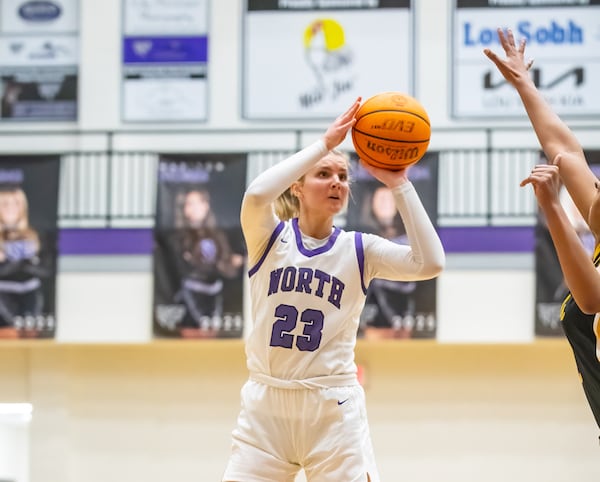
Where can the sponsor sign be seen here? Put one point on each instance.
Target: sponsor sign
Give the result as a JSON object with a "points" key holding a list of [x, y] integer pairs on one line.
{"points": [[165, 60], [562, 38], [39, 60], [311, 59]]}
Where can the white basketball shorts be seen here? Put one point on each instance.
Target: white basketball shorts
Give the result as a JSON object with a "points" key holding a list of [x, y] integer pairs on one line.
{"points": [[280, 431]]}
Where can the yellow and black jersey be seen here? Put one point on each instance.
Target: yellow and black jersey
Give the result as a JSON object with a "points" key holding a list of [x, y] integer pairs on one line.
{"points": [[583, 333]]}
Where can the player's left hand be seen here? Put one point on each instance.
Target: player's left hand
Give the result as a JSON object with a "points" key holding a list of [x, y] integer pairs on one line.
{"points": [[546, 183]]}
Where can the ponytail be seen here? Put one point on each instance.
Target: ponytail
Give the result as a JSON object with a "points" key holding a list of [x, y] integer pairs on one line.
{"points": [[287, 205]]}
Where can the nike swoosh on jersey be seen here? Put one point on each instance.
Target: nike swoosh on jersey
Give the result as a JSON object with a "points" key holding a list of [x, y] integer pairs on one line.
{"points": [[341, 402]]}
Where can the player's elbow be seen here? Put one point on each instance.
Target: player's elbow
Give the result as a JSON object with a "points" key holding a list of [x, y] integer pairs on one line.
{"points": [[254, 199], [433, 267], [589, 307], [588, 302], [251, 196]]}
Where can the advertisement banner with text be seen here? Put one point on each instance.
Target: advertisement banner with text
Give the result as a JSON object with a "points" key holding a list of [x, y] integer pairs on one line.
{"points": [[305, 60], [165, 60], [39, 60], [562, 38]]}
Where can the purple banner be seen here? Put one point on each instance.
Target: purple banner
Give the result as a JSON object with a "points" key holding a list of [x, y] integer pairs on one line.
{"points": [[165, 50]]}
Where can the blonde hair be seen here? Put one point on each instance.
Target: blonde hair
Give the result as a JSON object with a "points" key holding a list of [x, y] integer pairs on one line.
{"points": [[19, 197], [287, 206], [21, 230]]}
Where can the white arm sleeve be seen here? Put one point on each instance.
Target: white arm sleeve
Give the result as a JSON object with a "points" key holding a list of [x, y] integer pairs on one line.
{"points": [[424, 258], [257, 216]]}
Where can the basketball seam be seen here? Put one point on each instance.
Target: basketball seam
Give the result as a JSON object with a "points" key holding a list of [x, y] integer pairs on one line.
{"points": [[379, 163], [368, 134], [365, 155], [358, 116]]}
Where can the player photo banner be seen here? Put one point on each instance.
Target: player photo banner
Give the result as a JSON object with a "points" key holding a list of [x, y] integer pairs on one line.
{"points": [[550, 284], [310, 59], [165, 60], [395, 309], [39, 60], [28, 245], [562, 37], [199, 253]]}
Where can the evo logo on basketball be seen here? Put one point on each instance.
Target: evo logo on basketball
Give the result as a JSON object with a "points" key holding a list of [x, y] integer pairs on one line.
{"points": [[394, 125]]}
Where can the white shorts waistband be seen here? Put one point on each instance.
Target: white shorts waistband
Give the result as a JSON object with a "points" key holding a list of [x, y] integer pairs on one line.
{"points": [[327, 381]]}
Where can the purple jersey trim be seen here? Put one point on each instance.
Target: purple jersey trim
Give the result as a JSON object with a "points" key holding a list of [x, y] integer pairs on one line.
{"points": [[360, 257], [321, 249], [272, 239]]}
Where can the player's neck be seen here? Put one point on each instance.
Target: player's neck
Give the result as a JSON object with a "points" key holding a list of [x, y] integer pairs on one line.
{"points": [[315, 227]]}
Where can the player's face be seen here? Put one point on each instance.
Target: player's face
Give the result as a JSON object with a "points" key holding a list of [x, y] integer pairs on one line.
{"points": [[594, 214], [326, 186], [196, 207], [384, 205], [11, 210]]}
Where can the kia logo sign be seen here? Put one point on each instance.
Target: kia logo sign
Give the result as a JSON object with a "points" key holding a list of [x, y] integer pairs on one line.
{"points": [[39, 11]]}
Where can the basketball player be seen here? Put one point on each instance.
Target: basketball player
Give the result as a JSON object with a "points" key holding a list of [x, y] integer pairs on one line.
{"points": [[302, 407], [21, 265], [206, 259], [579, 313]]}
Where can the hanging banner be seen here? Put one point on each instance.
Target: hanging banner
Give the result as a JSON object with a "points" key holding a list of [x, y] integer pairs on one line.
{"points": [[562, 37], [311, 59], [199, 253], [165, 60], [28, 245], [395, 309], [39, 60], [551, 289]]}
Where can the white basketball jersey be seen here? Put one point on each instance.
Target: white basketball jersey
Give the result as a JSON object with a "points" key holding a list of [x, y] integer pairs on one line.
{"points": [[306, 304]]}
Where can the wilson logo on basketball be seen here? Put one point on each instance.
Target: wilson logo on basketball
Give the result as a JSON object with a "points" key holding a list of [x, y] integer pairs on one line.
{"points": [[394, 153]]}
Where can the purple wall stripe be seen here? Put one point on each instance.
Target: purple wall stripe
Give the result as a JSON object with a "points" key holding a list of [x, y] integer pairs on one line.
{"points": [[500, 239], [105, 241]]}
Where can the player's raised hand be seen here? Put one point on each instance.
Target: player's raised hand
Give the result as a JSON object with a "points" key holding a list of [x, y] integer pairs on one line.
{"points": [[514, 67], [338, 129]]}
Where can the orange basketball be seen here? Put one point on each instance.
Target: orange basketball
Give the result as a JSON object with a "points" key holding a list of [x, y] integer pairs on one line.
{"points": [[392, 131]]}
